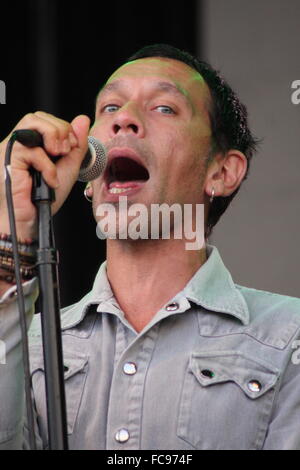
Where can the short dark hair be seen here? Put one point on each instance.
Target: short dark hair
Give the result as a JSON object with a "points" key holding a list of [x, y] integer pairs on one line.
{"points": [[229, 117]]}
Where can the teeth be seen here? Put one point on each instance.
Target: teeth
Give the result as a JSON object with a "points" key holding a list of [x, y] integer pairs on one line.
{"points": [[118, 190]]}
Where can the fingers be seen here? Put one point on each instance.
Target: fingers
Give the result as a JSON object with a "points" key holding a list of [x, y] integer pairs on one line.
{"points": [[58, 135], [80, 126], [34, 158], [60, 139]]}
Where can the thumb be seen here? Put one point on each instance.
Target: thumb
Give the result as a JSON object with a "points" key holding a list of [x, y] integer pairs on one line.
{"points": [[81, 126]]}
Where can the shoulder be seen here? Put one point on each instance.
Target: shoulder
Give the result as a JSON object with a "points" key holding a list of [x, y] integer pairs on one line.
{"points": [[35, 330], [275, 316], [267, 303]]}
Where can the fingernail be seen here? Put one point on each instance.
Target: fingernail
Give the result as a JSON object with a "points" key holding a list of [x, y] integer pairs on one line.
{"points": [[66, 146], [72, 139]]}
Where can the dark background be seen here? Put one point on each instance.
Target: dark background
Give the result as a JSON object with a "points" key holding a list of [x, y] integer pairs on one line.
{"points": [[55, 55]]}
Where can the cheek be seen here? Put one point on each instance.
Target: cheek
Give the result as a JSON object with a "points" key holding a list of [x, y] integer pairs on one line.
{"points": [[173, 143], [197, 152], [187, 155], [100, 129], [188, 168]]}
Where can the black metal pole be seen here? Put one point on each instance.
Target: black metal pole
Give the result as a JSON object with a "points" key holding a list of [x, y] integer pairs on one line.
{"points": [[47, 261]]}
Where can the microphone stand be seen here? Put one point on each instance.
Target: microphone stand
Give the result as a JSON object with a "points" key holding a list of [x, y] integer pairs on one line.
{"points": [[47, 262]]}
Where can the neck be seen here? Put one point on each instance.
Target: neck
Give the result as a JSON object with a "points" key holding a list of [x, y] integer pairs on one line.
{"points": [[146, 274]]}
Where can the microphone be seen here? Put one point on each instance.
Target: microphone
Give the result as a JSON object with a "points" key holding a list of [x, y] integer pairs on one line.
{"points": [[93, 163]]}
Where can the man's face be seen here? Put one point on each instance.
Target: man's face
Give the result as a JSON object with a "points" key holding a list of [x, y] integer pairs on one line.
{"points": [[153, 117]]}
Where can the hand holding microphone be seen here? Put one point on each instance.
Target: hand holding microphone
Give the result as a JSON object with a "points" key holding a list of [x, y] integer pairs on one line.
{"points": [[59, 138], [45, 138], [93, 163]]}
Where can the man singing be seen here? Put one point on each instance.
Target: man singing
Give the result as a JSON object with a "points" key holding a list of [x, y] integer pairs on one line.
{"points": [[165, 351]]}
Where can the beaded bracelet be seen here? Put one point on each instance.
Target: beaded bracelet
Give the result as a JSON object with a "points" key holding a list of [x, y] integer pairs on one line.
{"points": [[27, 260], [7, 264], [7, 237], [27, 254], [26, 249]]}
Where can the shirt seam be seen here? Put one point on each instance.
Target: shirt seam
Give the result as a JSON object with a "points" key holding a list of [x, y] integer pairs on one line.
{"points": [[279, 383], [146, 374]]}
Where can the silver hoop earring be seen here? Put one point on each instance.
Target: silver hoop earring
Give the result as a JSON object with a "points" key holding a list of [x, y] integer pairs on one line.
{"points": [[86, 194], [212, 195]]}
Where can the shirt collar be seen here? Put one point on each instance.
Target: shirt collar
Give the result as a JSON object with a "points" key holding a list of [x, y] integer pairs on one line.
{"points": [[211, 287]]}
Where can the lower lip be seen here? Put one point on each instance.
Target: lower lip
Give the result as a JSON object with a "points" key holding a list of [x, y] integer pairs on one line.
{"points": [[129, 189]]}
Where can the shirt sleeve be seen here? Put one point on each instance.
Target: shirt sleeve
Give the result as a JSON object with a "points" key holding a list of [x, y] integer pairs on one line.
{"points": [[284, 429], [12, 403]]}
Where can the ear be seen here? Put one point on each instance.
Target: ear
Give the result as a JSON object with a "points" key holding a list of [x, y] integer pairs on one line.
{"points": [[225, 173]]}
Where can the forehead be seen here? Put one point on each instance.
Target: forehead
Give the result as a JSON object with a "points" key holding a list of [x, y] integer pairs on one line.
{"points": [[152, 70]]}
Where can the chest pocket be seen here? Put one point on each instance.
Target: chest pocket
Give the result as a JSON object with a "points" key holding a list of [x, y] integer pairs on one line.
{"points": [[75, 371], [226, 400]]}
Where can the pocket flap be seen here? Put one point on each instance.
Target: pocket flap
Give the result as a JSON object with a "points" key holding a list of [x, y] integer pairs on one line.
{"points": [[75, 373], [72, 363], [253, 376]]}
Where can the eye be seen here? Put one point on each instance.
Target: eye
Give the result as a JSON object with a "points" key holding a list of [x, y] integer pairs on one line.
{"points": [[164, 109], [110, 108]]}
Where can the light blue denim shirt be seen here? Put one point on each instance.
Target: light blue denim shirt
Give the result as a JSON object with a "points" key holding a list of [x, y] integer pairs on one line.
{"points": [[216, 368]]}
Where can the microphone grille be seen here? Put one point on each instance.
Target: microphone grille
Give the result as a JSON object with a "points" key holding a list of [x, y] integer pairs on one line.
{"points": [[93, 168]]}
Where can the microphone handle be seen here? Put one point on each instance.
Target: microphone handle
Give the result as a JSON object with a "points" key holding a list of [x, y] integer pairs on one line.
{"points": [[29, 138]]}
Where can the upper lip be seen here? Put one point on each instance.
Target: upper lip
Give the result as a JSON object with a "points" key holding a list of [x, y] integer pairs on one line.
{"points": [[121, 152]]}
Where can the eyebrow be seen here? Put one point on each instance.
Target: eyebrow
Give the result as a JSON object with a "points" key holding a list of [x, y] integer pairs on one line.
{"points": [[162, 86], [174, 89]]}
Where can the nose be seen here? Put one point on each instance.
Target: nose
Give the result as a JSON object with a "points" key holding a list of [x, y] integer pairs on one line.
{"points": [[127, 120]]}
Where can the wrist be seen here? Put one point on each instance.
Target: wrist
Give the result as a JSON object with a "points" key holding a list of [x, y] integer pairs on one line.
{"points": [[26, 230]]}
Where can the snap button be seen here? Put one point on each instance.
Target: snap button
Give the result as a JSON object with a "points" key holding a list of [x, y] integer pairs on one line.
{"points": [[122, 435], [173, 306], [208, 373], [129, 368], [254, 386]]}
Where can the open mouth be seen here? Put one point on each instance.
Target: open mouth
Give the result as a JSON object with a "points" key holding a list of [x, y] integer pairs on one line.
{"points": [[124, 174]]}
